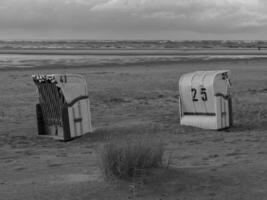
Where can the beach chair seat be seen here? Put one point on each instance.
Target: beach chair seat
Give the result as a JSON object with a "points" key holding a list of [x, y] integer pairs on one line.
{"points": [[63, 111]]}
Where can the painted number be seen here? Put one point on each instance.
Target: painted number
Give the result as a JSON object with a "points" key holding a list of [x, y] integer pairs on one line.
{"points": [[194, 93], [224, 76], [203, 94]]}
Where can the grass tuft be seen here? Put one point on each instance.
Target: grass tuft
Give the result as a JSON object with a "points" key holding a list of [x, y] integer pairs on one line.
{"points": [[126, 159]]}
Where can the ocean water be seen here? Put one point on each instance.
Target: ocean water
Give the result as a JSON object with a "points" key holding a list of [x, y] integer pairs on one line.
{"points": [[11, 61], [83, 53], [128, 44]]}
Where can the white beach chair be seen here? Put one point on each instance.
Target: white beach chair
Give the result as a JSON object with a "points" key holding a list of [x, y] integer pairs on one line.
{"points": [[205, 99], [63, 111]]}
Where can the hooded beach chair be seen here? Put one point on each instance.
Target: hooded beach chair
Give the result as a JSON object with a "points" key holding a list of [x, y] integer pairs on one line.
{"points": [[63, 111], [205, 99]]}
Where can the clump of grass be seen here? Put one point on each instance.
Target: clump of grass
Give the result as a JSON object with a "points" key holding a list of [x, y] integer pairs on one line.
{"points": [[125, 159]]}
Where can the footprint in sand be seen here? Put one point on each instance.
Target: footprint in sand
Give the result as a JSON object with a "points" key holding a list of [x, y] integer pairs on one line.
{"points": [[54, 164], [9, 161], [19, 168], [75, 178]]}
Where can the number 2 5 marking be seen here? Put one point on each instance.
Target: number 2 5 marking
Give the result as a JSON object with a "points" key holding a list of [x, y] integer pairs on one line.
{"points": [[194, 93], [203, 94]]}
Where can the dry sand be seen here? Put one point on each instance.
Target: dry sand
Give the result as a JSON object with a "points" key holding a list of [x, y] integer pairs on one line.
{"points": [[126, 102]]}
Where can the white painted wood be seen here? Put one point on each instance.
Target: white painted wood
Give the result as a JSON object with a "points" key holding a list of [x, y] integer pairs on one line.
{"points": [[203, 99]]}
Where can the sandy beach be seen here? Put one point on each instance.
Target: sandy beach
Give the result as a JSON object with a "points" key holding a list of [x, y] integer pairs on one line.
{"points": [[137, 52], [129, 99]]}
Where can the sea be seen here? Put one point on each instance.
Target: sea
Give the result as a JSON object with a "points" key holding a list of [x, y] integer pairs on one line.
{"points": [[26, 54]]}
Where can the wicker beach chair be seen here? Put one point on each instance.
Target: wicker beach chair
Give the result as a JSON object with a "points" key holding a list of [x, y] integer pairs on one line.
{"points": [[63, 111]]}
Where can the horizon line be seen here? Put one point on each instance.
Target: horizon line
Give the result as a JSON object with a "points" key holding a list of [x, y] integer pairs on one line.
{"points": [[171, 40]]}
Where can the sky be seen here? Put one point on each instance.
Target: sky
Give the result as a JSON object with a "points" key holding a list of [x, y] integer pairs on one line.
{"points": [[134, 19]]}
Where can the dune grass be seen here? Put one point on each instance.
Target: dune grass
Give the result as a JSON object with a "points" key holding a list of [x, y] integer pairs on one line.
{"points": [[126, 159]]}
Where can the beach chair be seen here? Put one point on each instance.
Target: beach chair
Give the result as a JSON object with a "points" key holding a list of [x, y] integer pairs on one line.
{"points": [[63, 111], [205, 99]]}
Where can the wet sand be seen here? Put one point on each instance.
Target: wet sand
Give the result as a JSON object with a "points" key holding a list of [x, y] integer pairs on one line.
{"points": [[137, 52], [127, 101]]}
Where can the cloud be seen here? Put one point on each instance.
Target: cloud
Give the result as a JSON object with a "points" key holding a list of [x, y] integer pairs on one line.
{"points": [[230, 13], [126, 18]]}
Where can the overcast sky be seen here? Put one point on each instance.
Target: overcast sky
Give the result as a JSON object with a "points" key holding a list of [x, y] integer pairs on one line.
{"points": [[133, 19]]}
